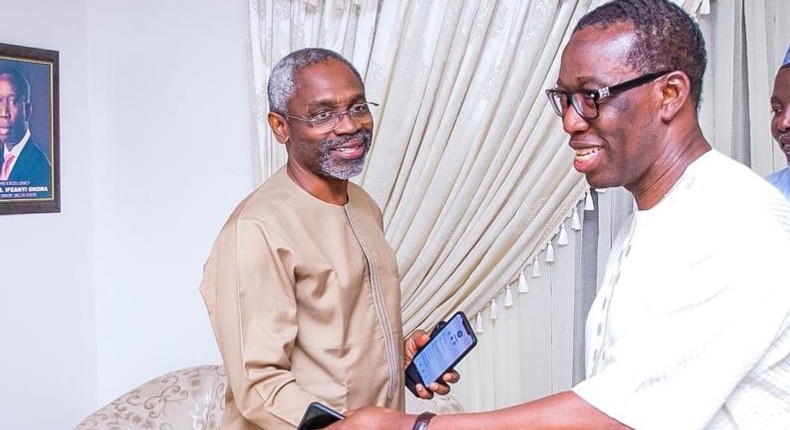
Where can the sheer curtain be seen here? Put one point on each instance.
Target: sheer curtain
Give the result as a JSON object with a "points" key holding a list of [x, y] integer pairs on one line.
{"points": [[469, 165]]}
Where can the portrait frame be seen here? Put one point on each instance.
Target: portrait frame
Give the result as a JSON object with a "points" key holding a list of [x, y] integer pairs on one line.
{"points": [[29, 187]]}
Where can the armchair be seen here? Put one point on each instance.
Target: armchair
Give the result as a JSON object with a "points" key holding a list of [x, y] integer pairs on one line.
{"points": [[193, 399]]}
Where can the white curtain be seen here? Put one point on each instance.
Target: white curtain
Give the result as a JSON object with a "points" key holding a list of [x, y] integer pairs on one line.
{"points": [[527, 352], [469, 165]]}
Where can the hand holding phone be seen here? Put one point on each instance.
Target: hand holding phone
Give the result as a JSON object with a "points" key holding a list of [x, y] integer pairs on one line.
{"points": [[448, 345], [318, 416]]}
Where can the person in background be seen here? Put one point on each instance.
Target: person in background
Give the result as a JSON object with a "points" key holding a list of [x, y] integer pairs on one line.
{"points": [[301, 287], [691, 326], [22, 160], [780, 123]]}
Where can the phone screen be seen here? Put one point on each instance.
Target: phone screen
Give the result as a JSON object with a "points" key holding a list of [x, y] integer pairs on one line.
{"points": [[445, 349]]}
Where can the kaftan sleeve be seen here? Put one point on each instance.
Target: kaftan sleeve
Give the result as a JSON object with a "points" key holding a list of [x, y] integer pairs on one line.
{"points": [[250, 297]]}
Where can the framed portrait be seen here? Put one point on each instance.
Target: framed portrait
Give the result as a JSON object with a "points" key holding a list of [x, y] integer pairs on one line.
{"points": [[29, 130]]}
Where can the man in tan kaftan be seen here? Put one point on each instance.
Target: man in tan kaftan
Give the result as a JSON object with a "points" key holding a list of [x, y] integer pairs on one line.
{"points": [[301, 286]]}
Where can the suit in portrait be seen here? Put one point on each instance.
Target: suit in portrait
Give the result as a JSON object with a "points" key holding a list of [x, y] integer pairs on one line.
{"points": [[33, 166]]}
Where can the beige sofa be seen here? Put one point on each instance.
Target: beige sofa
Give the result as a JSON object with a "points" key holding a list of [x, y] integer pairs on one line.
{"points": [[192, 399]]}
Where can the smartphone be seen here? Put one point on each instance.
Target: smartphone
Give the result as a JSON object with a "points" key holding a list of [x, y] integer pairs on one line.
{"points": [[448, 345], [318, 416]]}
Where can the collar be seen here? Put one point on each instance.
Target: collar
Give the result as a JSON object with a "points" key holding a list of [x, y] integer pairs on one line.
{"points": [[17, 149]]}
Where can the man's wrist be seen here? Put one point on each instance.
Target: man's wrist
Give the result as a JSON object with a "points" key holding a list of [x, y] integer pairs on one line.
{"points": [[422, 421]]}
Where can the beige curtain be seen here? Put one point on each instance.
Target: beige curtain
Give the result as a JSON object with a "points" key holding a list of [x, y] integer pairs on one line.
{"points": [[470, 167], [469, 164], [526, 352]]}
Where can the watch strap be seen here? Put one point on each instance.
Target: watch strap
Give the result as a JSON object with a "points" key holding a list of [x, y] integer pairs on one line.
{"points": [[421, 423]]}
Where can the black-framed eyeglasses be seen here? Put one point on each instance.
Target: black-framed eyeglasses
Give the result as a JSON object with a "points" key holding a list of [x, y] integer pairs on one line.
{"points": [[587, 103], [325, 122]]}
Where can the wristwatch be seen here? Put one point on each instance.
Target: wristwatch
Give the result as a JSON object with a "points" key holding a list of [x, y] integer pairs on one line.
{"points": [[422, 421]]}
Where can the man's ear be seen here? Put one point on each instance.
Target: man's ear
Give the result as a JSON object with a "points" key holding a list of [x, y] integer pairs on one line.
{"points": [[675, 94], [279, 127]]}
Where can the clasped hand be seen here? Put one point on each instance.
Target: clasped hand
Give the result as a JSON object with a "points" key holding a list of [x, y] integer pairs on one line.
{"points": [[411, 345]]}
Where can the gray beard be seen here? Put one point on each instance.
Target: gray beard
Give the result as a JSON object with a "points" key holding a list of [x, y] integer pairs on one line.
{"points": [[342, 169]]}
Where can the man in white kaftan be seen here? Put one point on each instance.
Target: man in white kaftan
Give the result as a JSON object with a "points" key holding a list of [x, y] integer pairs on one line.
{"points": [[691, 328]]}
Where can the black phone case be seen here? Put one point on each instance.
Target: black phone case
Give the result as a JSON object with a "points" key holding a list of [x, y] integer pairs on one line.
{"points": [[413, 376], [318, 416]]}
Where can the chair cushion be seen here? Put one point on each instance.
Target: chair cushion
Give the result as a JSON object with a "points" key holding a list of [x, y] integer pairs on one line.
{"points": [[190, 398], [193, 399]]}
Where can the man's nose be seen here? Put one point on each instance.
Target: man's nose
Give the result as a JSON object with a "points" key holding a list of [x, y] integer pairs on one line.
{"points": [[346, 124], [572, 122], [783, 122]]}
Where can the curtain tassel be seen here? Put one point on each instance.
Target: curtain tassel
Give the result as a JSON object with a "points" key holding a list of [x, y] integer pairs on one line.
{"points": [[588, 202], [576, 223], [535, 268], [704, 7], [478, 323], [523, 287], [549, 253], [562, 238], [508, 302], [494, 315]]}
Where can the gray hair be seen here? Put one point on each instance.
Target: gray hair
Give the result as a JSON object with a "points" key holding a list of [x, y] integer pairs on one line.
{"points": [[281, 80]]}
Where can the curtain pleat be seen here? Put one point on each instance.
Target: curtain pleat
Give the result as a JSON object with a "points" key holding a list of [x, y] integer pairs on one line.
{"points": [[470, 165]]}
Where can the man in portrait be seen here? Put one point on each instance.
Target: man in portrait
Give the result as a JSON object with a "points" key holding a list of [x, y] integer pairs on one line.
{"points": [[23, 160]]}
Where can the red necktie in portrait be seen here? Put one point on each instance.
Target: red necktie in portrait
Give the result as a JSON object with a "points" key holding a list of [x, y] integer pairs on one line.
{"points": [[8, 159]]}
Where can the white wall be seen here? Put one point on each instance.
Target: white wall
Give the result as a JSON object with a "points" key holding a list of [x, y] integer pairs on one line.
{"points": [[170, 133], [155, 144], [47, 317]]}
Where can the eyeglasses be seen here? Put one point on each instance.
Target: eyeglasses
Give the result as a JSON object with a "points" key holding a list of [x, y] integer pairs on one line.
{"points": [[326, 122], [587, 104]]}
